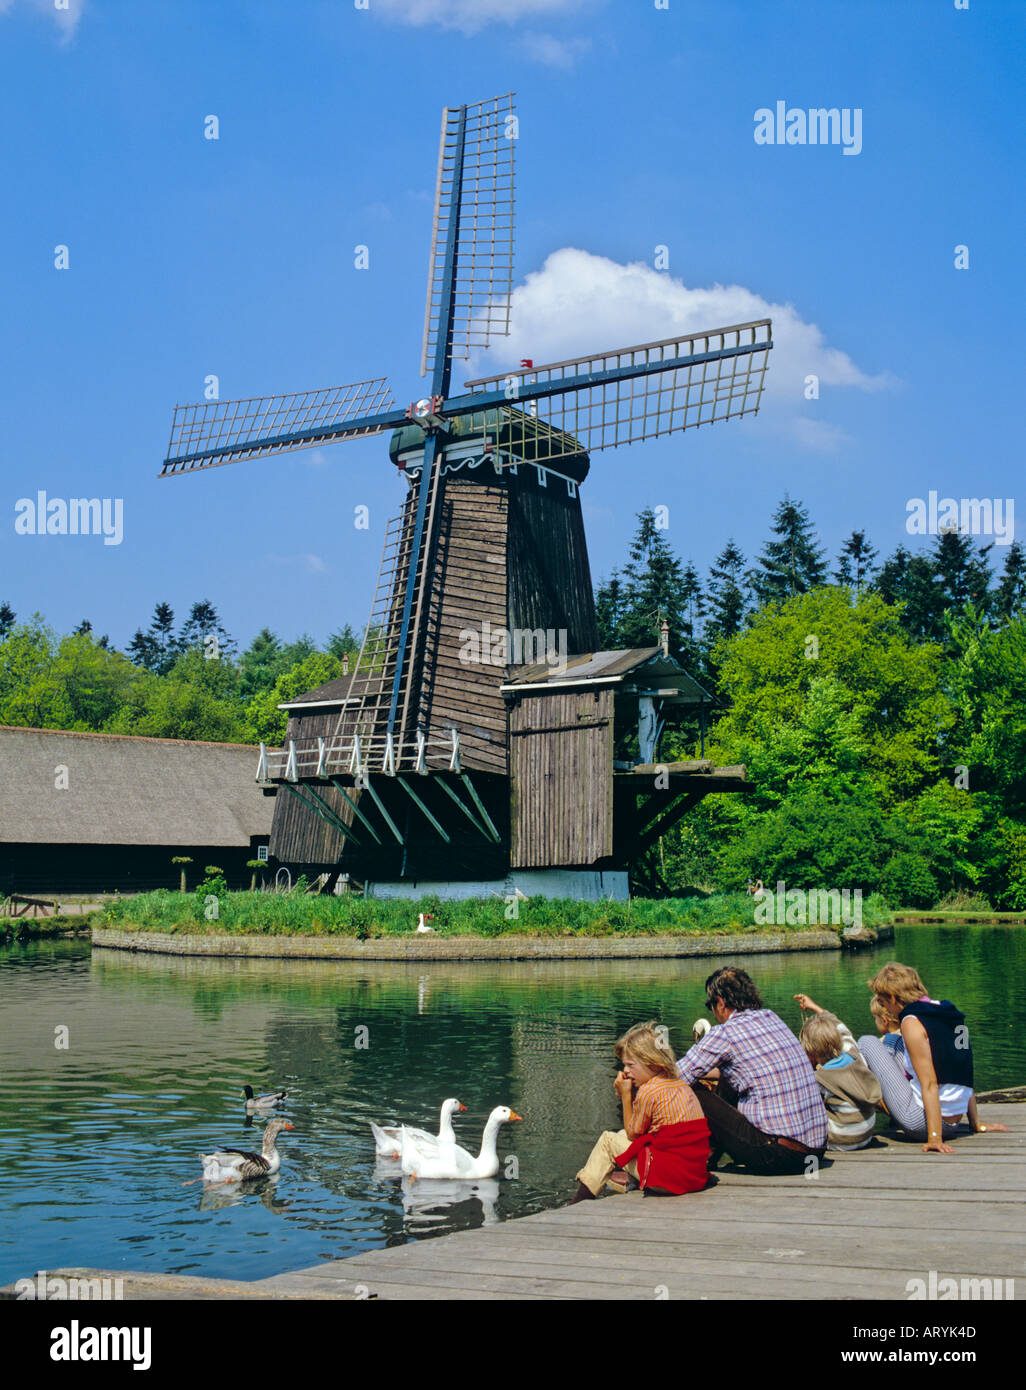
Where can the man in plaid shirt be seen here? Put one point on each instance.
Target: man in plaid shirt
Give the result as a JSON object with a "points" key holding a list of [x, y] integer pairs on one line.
{"points": [[767, 1111]]}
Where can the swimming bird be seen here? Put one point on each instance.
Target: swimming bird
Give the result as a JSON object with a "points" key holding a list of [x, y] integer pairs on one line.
{"points": [[265, 1102], [233, 1165], [433, 1159], [387, 1141]]}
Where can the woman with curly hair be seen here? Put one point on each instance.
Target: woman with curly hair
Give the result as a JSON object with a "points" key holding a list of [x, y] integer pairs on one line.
{"points": [[930, 1086]]}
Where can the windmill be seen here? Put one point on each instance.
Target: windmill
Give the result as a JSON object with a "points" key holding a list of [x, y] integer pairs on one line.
{"points": [[477, 733]]}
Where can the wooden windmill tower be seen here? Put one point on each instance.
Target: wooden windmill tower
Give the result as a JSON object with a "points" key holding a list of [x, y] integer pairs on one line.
{"points": [[475, 742]]}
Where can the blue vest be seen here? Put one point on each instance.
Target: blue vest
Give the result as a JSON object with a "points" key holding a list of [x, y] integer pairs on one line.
{"points": [[948, 1038]]}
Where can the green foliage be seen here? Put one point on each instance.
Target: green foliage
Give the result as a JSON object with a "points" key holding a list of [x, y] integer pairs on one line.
{"points": [[908, 881], [886, 686], [264, 721], [792, 563], [281, 914]]}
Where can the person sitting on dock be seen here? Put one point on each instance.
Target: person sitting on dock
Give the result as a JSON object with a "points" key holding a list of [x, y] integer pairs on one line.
{"points": [[887, 1025], [851, 1093], [766, 1111], [664, 1143], [930, 1087]]}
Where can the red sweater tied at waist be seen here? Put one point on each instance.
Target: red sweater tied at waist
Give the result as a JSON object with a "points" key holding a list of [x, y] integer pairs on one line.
{"points": [[674, 1158]]}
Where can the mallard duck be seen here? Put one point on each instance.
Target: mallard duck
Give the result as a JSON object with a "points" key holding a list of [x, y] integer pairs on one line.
{"points": [[432, 1159], [233, 1165], [387, 1141], [265, 1102]]}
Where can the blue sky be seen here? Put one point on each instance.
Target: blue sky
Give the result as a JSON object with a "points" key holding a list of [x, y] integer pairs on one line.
{"points": [[235, 257]]}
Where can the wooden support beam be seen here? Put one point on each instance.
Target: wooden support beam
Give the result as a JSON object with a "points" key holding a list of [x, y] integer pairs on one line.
{"points": [[381, 807], [465, 809], [326, 814], [355, 809], [664, 822], [481, 807], [333, 817], [702, 766], [653, 769], [417, 802]]}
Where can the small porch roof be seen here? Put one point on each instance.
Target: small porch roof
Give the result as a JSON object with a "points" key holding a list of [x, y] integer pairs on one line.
{"points": [[637, 671]]}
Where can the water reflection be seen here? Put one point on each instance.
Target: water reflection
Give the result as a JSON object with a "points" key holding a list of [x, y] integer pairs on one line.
{"points": [[430, 1201], [219, 1196], [159, 1048]]}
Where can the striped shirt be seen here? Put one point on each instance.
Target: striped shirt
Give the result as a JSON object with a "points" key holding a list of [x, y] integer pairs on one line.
{"points": [[661, 1101], [762, 1060]]}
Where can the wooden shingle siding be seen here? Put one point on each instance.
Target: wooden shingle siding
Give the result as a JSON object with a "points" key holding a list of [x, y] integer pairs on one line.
{"points": [[468, 590], [550, 581], [561, 762]]}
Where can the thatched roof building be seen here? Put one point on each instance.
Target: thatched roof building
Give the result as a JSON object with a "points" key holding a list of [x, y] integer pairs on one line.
{"points": [[100, 812]]}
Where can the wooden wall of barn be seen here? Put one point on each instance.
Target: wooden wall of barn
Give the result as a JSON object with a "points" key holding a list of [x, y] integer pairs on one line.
{"points": [[55, 869], [561, 767]]}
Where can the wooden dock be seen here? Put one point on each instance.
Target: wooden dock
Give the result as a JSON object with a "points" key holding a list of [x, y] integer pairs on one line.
{"points": [[865, 1226]]}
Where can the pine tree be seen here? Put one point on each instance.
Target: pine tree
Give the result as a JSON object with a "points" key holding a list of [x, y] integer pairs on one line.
{"points": [[1010, 599], [7, 617], [156, 649], [694, 600], [654, 590], [609, 610], [345, 642], [792, 564], [963, 573], [728, 594], [85, 629], [203, 629], [912, 580], [856, 563]]}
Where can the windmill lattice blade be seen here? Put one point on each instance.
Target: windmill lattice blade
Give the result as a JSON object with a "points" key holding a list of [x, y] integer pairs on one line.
{"points": [[634, 393], [217, 432], [484, 240]]}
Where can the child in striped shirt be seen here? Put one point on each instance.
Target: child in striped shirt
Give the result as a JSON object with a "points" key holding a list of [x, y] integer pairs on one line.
{"points": [[851, 1093]]}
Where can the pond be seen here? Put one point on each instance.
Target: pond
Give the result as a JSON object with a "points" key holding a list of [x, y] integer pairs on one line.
{"points": [[97, 1138]]}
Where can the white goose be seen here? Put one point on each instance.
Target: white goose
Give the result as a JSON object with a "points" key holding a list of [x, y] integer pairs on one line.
{"points": [[440, 1160], [387, 1142], [233, 1165]]}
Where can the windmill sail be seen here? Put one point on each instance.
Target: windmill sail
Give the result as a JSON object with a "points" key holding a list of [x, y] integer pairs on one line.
{"points": [[630, 394], [472, 231], [217, 432]]}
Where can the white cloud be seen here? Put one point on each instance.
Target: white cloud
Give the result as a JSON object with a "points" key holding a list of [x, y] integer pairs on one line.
{"points": [[553, 52], [472, 15], [66, 18], [579, 303]]}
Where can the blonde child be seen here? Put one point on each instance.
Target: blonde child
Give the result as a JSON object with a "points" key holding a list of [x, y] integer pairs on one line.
{"points": [[664, 1142], [850, 1091]]}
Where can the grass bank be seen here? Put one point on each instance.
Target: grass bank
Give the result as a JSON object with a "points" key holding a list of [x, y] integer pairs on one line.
{"points": [[271, 914]]}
